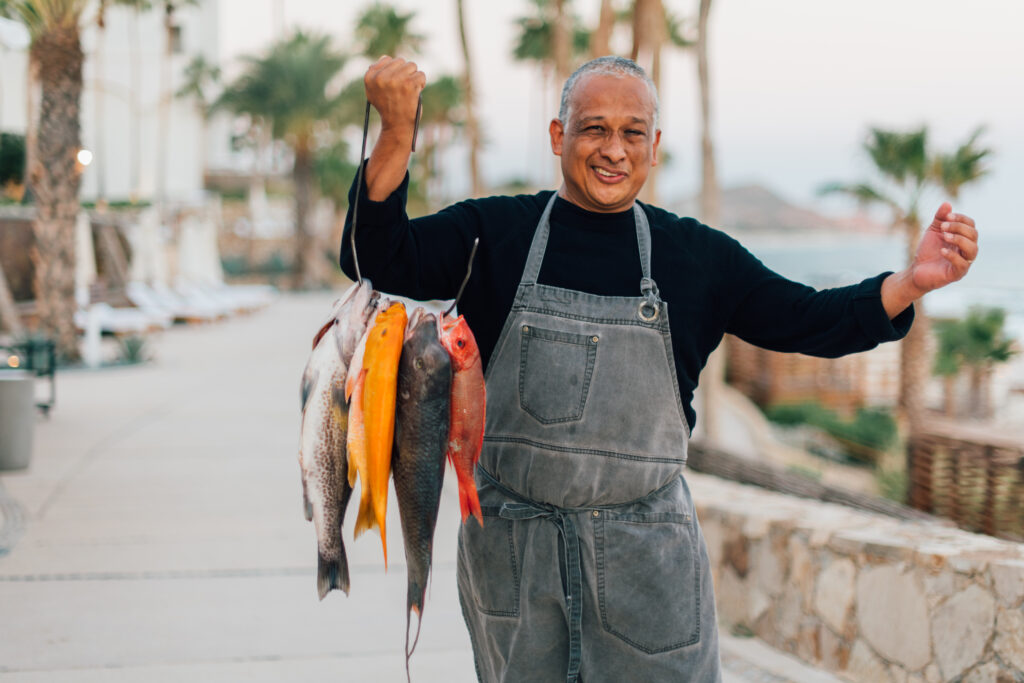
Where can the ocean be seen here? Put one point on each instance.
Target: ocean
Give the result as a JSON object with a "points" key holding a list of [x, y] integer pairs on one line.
{"points": [[995, 280]]}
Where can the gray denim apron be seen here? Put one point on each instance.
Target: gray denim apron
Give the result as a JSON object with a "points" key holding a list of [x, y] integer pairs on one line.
{"points": [[590, 565]]}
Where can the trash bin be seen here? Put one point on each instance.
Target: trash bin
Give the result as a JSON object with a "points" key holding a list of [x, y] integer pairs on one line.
{"points": [[17, 418]]}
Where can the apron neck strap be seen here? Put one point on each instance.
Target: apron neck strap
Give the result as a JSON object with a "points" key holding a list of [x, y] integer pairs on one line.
{"points": [[535, 258]]}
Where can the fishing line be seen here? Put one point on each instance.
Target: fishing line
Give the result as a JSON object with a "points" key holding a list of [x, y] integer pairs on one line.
{"points": [[465, 280], [359, 173]]}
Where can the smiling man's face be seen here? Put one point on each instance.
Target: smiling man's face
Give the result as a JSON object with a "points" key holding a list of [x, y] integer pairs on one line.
{"points": [[608, 144]]}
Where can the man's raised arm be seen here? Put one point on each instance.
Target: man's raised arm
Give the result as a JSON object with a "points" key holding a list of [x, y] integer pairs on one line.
{"points": [[393, 86]]}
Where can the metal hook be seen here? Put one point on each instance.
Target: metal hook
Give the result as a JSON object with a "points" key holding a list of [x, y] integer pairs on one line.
{"points": [[359, 174], [465, 280]]}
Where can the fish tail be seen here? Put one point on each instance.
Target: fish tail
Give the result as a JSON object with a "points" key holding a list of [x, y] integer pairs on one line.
{"points": [[331, 574], [365, 520], [408, 627], [469, 501]]}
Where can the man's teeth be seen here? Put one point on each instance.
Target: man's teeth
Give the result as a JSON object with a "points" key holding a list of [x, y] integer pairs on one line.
{"points": [[607, 174]]}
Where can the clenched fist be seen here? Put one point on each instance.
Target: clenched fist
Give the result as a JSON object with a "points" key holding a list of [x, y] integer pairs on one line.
{"points": [[393, 86]]}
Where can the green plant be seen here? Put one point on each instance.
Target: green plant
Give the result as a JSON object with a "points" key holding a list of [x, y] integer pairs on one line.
{"points": [[892, 484], [869, 433]]}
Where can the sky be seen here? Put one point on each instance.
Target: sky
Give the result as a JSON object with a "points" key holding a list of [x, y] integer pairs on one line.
{"points": [[795, 86]]}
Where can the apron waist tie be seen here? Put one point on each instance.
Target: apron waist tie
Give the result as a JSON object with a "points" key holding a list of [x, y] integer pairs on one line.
{"points": [[563, 521]]}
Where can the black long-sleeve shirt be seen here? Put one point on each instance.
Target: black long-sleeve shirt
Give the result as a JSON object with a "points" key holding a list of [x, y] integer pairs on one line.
{"points": [[712, 284]]}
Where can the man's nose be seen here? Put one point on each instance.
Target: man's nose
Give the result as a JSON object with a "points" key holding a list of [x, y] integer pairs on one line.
{"points": [[613, 149]]}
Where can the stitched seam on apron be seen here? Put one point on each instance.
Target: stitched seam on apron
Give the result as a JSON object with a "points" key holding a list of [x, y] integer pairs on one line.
{"points": [[584, 451], [590, 319]]}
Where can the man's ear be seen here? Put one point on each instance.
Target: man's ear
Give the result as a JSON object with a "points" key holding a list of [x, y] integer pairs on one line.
{"points": [[557, 132], [654, 154]]}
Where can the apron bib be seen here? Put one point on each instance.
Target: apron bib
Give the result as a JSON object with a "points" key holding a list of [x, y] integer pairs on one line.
{"points": [[590, 565]]}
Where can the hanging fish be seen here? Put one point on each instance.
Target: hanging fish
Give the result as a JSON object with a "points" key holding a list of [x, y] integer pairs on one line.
{"points": [[379, 382], [322, 461], [468, 410], [421, 440]]}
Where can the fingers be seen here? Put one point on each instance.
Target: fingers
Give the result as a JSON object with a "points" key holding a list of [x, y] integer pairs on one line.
{"points": [[960, 225], [945, 210], [959, 263], [968, 248]]}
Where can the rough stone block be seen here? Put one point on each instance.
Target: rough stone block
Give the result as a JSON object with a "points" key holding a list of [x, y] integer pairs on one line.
{"points": [[897, 674], [835, 652], [834, 593], [932, 675], [731, 594], [960, 630], [770, 563], [989, 672], [866, 666], [1008, 581], [892, 614], [1009, 642]]}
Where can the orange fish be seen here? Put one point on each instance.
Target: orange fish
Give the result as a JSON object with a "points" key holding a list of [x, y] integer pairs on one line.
{"points": [[468, 410], [378, 387]]}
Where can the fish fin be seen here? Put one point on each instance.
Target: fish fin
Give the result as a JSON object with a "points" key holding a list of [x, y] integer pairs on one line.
{"points": [[306, 505], [309, 377], [408, 624], [469, 501], [383, 541], [331, 574], [356, 431], [365, 520], [322, 331]]}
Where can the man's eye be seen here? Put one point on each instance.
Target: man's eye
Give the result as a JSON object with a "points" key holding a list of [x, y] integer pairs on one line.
{"points": [[634, 132]]}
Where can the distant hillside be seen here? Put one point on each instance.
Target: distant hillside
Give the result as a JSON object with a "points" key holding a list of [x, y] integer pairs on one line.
{"points": [[755, 208]]}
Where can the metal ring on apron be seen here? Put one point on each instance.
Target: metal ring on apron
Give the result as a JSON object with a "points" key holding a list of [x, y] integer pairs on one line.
{"points": [[648, 312]]}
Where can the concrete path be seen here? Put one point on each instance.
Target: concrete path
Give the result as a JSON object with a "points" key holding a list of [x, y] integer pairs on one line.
{"points": [[158, 535]]}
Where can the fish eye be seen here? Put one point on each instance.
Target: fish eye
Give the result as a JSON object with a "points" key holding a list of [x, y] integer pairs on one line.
{"points": [[460, 343], [419, 363]]}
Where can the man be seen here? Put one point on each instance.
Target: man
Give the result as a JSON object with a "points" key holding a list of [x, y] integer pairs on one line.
{"points": [[590, 564]]}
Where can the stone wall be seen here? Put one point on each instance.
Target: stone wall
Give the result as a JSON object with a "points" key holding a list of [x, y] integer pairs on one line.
{"points": [[868, 597]]}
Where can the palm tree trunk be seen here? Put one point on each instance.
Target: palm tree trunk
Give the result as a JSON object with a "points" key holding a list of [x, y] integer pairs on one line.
{"points": [[302, 174], [949, 395], [55, 180], [472, 125], [915, 359], [709, 177], [649, 35], [600, 40], [713, 377]]}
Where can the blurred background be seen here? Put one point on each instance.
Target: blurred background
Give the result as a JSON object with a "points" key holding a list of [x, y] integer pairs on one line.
{"points": [[168, 167]]}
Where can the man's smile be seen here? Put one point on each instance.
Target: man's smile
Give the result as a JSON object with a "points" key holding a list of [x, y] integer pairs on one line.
{"points": [[608, 175]]}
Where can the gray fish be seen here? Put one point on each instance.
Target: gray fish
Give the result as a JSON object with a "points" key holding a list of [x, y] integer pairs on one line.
{"points": [[322, 459], [421, 438]]}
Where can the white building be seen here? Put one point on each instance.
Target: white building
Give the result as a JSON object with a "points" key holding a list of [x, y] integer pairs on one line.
{"points": [[126, 82]]}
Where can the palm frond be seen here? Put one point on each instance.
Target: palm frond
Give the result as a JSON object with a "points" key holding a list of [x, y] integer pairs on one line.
{"points": [[900, 156], [965, 164]]}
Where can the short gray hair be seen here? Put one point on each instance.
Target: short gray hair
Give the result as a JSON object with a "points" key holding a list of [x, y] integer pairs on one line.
{"points": [[612, 66]]}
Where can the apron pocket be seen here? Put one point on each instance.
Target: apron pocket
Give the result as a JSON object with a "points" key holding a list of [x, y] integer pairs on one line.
{"points": [[490, 555], [554, 373], [648, 579]]}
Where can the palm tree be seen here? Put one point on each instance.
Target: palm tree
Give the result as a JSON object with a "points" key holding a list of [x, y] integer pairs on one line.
{"points": [[287, 88], [469, 102], [443, 111], [56, 52], [906, 165], [601, 38], [381, 30], [200, 77], [978, 342]]}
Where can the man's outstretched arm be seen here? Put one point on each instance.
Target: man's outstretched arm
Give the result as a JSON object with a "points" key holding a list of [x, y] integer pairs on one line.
{"points": [[947, 249]]}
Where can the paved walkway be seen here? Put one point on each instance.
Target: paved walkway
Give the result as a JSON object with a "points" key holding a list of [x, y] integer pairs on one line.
{"points": [[158, 535]]}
